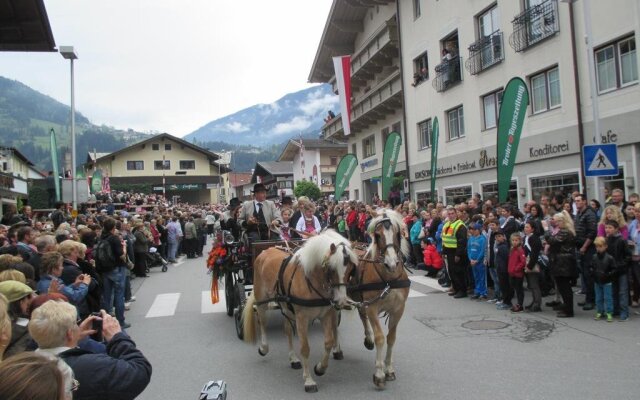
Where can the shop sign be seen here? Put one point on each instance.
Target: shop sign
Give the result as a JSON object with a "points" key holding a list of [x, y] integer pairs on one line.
{"points": [[185, 186], [548, 150], [368, 164], [6, 182]]}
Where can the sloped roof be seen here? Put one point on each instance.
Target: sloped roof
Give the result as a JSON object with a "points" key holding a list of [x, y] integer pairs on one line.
{"points": [[91, 156], [24, 26], [274, 168], [239, 178], [293, 147], [17, 153]]}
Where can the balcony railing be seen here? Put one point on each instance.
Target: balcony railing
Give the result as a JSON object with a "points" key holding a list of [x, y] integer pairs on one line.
{"points": [[447, 74], [534, 25], [484, 53]]}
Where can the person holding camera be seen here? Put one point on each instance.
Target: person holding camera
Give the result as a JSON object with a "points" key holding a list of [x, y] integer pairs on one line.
{"points": [[120, 374]]}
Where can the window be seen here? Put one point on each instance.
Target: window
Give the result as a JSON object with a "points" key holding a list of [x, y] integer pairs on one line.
{"points": [[385, 134], [155, 146], [490, 192], [457, 195], [397, 127], [545, 90], [424, 134], [157, 164], [420, 69], [614, 182], [135, 165], [425, 196], [369, 147], [616, 65], [416, 9], [333, 160], [354, 149], [554, 184], [491, 107], [167, 146], [187, 164], [455, 118]]}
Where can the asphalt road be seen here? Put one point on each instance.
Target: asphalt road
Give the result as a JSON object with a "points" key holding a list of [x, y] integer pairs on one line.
{"points": [[446, 349]]}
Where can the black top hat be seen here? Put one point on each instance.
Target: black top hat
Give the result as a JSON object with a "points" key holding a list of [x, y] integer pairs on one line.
{"points": [[233, 203], [259, 187]]}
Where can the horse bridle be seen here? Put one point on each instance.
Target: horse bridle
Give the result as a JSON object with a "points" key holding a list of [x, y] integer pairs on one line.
{"points": [[387, 224], [346, 259]]}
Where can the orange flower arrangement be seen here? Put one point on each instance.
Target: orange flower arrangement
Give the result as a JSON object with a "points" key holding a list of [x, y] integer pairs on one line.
{"points": [[216, 265]]}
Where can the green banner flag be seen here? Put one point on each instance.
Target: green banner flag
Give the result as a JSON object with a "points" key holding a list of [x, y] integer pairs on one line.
{"points": [[345, 170], [54, 161], [96, 181], [389, 162], [435, 133], [515, 101]]}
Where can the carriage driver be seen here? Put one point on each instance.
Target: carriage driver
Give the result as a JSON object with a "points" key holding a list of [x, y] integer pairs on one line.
{"points": [[260, 216]]}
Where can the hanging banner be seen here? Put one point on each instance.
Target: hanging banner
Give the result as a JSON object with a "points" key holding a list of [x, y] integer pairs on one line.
{"points": [[345, 170], [106, 184], [389, 161], [435, 133], [54, 161], [515, 101], [96, 181], [342, 67]]}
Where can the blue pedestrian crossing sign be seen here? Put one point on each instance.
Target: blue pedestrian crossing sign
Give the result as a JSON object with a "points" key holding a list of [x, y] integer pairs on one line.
{"points": [[600, 159]]}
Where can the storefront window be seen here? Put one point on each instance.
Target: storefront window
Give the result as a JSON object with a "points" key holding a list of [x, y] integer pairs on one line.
{"points": [[614, 182], [457, 195], [490, 192], [425, 196], [554, 184]]}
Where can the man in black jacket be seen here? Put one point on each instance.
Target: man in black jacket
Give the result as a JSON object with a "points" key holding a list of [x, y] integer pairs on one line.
{"points": [[586, 225], [120, 374], [113, 279]]}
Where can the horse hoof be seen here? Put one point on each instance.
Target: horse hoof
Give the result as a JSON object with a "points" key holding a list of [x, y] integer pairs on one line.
{"points": [[296, 364], [338, 355], [261, 353], [368, 343], [318, 371], [379, 382], [311, 388], [390, 376]]}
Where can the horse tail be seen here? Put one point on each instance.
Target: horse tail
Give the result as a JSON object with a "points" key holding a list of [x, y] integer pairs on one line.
{"points": [[249, 328]]}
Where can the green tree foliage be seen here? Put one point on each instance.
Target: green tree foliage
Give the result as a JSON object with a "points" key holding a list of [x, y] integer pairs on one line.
{"points": [[307, 188]]}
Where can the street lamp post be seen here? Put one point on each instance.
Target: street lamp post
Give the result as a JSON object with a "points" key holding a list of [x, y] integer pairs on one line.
{"points": [[69, 54]]}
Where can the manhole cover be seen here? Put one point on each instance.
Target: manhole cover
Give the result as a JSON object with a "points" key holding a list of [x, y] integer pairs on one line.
{"points": [[484, 325]]}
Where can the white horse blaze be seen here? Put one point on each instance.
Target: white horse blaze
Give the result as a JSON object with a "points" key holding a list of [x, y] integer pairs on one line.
{"points": [[390, 254]]}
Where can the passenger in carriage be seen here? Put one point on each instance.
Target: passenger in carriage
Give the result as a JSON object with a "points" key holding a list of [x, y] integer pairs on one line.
{"points": [[308, 225], [259, 216]]}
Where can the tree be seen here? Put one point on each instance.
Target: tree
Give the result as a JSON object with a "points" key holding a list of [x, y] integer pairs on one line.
{"points": [[307, 188]]}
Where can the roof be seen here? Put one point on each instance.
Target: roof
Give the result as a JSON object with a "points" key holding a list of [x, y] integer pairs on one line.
{"points": [[17, 153], [24, 26], [239, 178], [214, 157], [93, 156], [293, 147], [274, 168], [344, 23]]}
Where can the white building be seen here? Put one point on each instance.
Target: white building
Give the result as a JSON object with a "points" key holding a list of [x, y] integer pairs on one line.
{"points": [[489, 42]]}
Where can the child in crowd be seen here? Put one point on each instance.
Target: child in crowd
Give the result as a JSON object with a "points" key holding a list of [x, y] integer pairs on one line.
{"points": [[490, 258], [604, 271], [286, 216], [475, 251], [502, 269], [618, 249], [342, 226], [433, 262], [517, 262]]}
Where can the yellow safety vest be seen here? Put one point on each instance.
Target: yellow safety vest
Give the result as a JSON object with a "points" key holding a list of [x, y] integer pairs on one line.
{"points": [[449, 234]]}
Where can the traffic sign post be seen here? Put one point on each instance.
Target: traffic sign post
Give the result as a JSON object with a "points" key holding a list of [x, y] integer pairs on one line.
{"points": [[600, 159]]}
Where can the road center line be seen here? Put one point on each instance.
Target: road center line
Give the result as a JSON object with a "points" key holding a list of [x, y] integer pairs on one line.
{"points": [[164, 305]]}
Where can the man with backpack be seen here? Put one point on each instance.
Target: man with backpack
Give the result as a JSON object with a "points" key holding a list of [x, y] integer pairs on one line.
{"points": [[110, 255]]}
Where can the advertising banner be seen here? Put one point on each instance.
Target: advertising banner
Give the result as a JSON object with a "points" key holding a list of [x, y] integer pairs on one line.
{"points": [[54, 160], [389, 162], [435, 133], [345, 170]]}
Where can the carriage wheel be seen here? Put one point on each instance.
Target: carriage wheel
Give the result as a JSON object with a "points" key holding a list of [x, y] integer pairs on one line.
{"points": [[237, 313], [228, 292]]}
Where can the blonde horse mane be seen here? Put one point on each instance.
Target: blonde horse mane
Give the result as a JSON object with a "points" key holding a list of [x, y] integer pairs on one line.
{"points": [[312, 254], [398, 225]]}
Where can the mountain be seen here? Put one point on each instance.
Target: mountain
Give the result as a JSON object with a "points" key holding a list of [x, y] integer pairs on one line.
{"points": [[296, 113], [27, 116]]}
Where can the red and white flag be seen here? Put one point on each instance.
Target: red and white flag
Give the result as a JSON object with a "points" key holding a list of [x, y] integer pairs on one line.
{"points": [[302, 158], [342, 66]]}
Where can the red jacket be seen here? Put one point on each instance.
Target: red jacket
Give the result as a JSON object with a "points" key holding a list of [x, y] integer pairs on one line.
{"points": [[352, 218], [362, 218], [432, 257], [517, 261]]}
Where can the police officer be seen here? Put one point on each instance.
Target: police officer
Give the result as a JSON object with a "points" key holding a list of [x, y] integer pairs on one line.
{"points": [[454, 246]]}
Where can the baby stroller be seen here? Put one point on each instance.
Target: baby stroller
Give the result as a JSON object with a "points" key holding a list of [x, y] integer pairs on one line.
{"points": [[154, 259]]}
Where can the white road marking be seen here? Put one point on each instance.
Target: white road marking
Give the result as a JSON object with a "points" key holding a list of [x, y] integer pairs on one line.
{"points": [[207, 308], [415, 293], [164, 305], [432, 283]]}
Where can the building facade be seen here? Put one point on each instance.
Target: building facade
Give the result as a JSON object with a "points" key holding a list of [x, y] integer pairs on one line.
{"points": [[487, 43], [277, 176], [168, 164], [15, 172], [368, 31], [454, 62], [315, 161]]}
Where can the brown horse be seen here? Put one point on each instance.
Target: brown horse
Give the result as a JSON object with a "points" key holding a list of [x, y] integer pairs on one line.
{"points": [[308, 285], [382, 286]]}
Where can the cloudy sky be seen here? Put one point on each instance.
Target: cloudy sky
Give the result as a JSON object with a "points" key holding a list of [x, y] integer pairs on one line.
{"points": [[174, 65]]}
